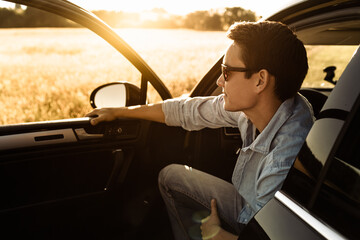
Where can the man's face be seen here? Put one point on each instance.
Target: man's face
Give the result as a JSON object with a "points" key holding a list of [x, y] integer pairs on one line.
{"points": [[238, 91]]}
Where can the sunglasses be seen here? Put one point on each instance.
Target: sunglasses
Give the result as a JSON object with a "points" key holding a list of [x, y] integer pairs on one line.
{"points": [[226, 70]]}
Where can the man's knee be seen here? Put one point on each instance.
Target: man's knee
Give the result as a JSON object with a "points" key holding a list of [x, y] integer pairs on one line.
{"points": [[169, 174]]}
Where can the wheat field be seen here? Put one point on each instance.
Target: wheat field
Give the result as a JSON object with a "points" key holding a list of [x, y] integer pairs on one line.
{"points": [[48, 74]]}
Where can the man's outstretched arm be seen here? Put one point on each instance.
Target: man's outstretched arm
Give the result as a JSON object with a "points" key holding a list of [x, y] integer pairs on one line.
{"points": [[151, 112]]}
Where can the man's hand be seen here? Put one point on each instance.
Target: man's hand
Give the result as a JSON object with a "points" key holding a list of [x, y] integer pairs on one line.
{"points": [[101, 115], [211, 226]]}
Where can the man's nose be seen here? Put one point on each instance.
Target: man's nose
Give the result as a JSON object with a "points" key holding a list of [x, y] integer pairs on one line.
{"points": [[220, 81]]}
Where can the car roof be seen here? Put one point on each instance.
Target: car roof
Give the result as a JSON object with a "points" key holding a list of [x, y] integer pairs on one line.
{"points": [[335, 22], [306, 9]]}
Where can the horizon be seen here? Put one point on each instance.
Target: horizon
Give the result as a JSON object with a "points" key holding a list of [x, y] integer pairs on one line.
{"points": [[260, 7]]}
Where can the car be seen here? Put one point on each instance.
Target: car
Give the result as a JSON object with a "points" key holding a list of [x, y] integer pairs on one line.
{"points": [[69, 179]]}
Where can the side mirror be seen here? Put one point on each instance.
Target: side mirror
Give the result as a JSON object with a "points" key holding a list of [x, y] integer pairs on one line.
{"points": [[116, 94], [330, 74]]}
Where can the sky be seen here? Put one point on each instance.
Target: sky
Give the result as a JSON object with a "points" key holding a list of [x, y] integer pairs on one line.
{"points": [[180, 7]]}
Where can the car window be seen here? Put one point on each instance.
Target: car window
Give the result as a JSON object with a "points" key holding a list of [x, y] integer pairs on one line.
{"points": [[323, 56], [48, 73], [330, 188]]}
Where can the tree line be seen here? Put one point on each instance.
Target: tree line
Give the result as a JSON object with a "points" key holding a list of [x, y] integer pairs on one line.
{"points": [[157, 18]]}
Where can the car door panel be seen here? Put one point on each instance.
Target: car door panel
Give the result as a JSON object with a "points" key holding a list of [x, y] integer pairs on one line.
{"points": [[39, 180]]}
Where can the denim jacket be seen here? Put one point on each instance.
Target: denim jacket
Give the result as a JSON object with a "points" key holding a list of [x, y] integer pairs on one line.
{"points": [[263, 160]]}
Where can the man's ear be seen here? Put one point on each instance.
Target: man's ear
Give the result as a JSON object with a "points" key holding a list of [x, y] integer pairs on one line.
{"points": [[263, 80]]}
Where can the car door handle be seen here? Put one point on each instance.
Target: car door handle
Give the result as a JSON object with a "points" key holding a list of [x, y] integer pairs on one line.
{"points": [[83, 135]]}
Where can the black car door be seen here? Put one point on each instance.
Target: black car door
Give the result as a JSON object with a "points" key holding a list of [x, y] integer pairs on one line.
{"points": [[67, 179]]}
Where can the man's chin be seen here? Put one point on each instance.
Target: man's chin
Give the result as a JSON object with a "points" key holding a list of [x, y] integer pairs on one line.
{"points": [[230, 108]]}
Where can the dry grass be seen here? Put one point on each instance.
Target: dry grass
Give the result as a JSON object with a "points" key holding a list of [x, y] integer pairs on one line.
{"points": [[48, 74]]}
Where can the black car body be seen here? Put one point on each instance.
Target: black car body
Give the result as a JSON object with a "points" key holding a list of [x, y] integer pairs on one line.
{"points": [[68, 179]]}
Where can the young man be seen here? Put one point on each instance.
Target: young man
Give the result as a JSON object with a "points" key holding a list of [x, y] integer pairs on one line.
{"points": [[262, 72]]}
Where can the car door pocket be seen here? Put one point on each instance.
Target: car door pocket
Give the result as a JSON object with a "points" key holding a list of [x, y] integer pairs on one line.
{"points": [[119, 170]]}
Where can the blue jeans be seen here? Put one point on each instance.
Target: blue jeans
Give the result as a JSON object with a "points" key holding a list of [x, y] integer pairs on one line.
{"points": [[187, 194]]}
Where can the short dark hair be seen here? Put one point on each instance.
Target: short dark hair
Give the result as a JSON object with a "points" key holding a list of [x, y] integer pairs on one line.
{"points": [[275, 47]]}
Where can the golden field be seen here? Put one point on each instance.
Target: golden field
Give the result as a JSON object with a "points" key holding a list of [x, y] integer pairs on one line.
{"points": [[48, 74]]}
